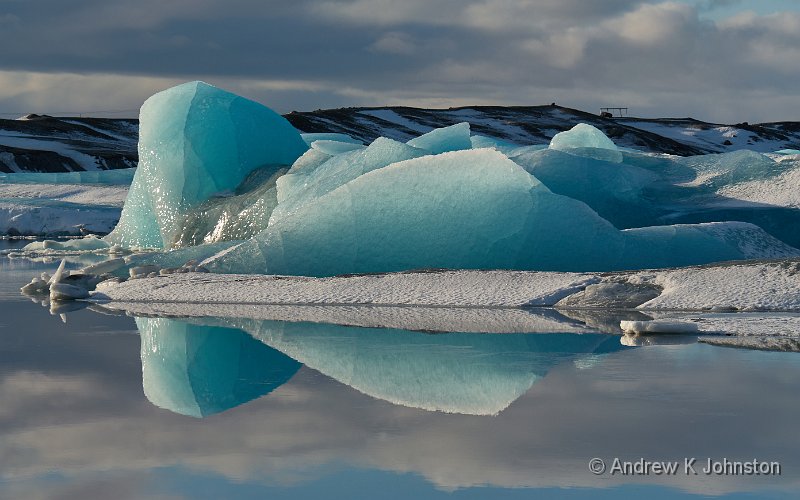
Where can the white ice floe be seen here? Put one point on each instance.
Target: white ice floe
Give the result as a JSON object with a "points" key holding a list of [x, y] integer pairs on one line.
{"points": [[464, 288], [751, 286]]}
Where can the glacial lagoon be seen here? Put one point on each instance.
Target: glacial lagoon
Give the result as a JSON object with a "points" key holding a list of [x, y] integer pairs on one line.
{"points": [[107, 404]]}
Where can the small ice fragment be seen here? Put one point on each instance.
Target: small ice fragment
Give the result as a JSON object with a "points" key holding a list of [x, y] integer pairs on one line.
{"points": [[65, 291], [58, 274], [658, 326], [35, 287]]}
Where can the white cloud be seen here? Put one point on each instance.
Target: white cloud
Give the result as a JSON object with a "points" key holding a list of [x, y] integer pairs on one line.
{"points": [[653, 24], [564, 49]]}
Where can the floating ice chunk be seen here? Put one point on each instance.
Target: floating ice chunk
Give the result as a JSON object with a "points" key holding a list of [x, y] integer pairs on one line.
{"points": [[59, 290], [59, 274], [172, 259], [86, 244], [66, 291], [201, 370], [196, 140], [586, 140], [659, 326], [582, 135], [37, 286], [335, 147], [441, 140]]}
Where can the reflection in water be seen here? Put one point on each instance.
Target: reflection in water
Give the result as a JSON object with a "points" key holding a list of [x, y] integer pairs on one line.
{"points": [[199, 370]]}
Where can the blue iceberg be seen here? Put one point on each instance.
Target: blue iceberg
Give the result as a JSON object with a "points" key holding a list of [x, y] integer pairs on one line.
{"points": [[218, 168]]}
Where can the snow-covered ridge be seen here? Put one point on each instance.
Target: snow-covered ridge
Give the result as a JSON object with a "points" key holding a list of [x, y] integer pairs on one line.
{"points": [[48, 144], [538, 124]]}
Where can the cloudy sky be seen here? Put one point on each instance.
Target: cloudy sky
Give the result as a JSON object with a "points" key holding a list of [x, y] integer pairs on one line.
{"points": [[717, 60]]}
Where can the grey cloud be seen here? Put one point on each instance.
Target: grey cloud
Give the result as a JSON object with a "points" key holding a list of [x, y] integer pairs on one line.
{"points": [[707, 5], [360, 52]]}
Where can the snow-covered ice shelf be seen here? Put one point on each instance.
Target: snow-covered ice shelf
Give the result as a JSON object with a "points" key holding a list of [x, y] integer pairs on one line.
{"points": [[758, 286]]}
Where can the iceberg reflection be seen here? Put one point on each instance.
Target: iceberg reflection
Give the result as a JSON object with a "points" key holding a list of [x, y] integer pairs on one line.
{"points": [[200, 370]]}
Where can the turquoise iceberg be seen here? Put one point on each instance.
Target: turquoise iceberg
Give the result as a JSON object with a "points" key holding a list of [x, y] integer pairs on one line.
{"points": [[218, 168]]}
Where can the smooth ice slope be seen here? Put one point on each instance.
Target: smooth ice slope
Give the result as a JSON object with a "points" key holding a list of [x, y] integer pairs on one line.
{"points": [[306, 182], [196, 140], [201, 370]]}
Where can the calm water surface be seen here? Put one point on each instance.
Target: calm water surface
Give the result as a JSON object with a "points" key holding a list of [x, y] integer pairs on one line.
{"points": [[109, 406]]}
